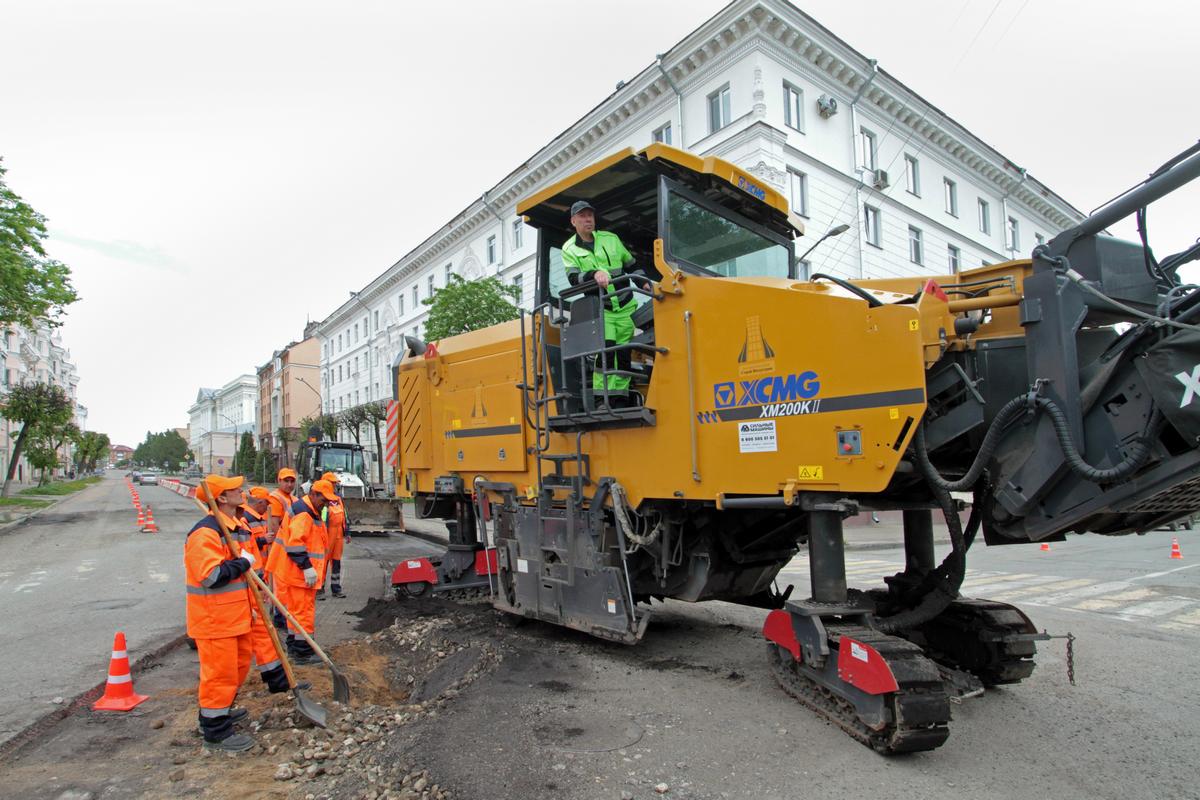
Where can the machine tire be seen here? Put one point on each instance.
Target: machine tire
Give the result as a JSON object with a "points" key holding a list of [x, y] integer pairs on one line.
{"points": [[415, 589]]}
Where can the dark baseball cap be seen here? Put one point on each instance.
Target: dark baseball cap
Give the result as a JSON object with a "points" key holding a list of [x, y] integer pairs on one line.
{"points": [[581, 205]]}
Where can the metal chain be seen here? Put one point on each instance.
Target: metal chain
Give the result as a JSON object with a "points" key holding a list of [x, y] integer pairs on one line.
{"points": [[1070, 637]]}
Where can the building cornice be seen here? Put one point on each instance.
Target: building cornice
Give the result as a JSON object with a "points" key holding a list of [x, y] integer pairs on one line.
{"points": [[726, 36]]}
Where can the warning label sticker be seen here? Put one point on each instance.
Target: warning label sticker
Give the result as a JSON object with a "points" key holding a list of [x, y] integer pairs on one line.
{"points": [[810, 472], [757, 437], [858, 651]]}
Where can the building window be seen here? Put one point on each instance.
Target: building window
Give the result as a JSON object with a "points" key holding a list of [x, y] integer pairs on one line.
{"points": [[662, 134], [429, 280], [356, 331], [985, 216], [953, 258], [871, 226], [491, 250], [718, 109], [376, 320], [416, 298], [366, 327], [449, 272], [1013, 234], [870, 152], [339, 343], [518, 283], [415, 333], [518, 232], [915, 246], [950, 189], [912, 175], [356, 401], [356, 357], [400, 304], [798, 191], [793, 107]]}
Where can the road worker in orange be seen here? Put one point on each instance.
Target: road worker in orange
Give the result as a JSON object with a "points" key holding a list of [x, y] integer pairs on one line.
{"points": [[218, 613], [339, 534], [298, 566], [252, 534], [279, 511]]}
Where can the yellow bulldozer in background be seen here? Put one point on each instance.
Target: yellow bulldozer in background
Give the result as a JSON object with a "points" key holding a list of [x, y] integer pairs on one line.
{"points": [[764, 409]]}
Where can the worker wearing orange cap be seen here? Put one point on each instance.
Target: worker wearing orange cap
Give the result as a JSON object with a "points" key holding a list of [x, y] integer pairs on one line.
{"points": [[253, 535], [339, 534], [279, 511], [218, 613], [299, 566]]}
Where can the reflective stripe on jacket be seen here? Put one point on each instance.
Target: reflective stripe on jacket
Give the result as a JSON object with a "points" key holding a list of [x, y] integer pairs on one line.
{"points": [[303, 543], [218, 597]]}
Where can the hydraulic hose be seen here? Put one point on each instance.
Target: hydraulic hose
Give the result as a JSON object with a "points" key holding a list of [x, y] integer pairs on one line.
{"points": [[1134, 459]]}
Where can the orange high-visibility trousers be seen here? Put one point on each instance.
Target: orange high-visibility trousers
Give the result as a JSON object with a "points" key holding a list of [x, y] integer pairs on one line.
{"points": [[301, 601], [224, 664], [264, 649]]}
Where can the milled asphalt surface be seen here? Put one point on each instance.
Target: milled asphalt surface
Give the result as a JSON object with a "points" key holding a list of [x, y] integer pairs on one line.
{"points": [[77, 573]]}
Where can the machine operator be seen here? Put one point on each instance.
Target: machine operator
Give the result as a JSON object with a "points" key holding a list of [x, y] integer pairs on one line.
{"points": [[601, 256]]}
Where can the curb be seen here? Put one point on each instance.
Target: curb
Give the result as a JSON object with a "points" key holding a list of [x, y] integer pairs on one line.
{"points": [[41, 726], [887, 545]]}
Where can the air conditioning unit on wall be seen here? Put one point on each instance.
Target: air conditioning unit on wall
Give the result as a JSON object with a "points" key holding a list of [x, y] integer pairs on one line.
{"points": [[827, 106], [880, 179]]}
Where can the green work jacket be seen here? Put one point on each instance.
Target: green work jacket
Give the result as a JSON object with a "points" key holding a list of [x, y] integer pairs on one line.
{"points": [[610, 255]]}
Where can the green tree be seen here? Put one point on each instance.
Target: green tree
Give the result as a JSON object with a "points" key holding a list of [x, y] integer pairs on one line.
{"points": [[264, 467], [243, 459], [286, 437], [376, 414], [33, 287], [326, 423], [45, 442], [33, 405], [90, 449], [463, 306], [159, 448], [352, 419]]}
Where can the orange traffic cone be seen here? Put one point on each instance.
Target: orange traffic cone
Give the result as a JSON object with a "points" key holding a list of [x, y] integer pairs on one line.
{"points": [[1175, 551], [149, 527], [141, 519], [118, 692], [1045, 547]]}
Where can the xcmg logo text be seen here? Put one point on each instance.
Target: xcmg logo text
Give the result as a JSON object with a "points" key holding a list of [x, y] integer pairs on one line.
{"points": [[769, 389]]}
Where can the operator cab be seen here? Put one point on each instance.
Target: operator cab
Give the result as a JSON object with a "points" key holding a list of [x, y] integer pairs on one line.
{"points": [[710, 218]]}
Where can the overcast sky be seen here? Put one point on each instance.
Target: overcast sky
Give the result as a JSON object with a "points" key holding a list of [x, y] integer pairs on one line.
{"points": [[217, 173]]}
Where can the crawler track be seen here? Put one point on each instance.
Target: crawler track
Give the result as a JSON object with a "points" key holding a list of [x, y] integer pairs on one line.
{"points": [[917, 714]]}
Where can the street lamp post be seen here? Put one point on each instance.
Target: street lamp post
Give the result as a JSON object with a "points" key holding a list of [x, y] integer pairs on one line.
{"points": [[835, 231]]}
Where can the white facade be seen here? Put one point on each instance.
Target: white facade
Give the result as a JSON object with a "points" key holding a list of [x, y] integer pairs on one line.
{"points": [[749, 86], [36, 356], [217, 420]]}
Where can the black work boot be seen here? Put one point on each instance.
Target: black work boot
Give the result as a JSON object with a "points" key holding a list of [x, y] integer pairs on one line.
{"points": [[234, 743]]}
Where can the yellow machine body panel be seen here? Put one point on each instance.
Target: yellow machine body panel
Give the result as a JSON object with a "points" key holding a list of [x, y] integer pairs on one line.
{"points": [[781, 390]]}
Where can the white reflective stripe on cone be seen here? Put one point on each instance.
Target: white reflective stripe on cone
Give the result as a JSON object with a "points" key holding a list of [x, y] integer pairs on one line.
{"points": [[120, 654], [119, 679]]}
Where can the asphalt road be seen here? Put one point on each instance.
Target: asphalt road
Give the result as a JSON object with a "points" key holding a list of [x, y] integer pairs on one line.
{"points": [[79, 572], [694, 706]]}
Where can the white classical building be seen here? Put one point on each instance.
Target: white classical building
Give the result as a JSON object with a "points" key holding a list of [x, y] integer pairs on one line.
{"points": [[762, 85], [217, 420], [36, 356]]}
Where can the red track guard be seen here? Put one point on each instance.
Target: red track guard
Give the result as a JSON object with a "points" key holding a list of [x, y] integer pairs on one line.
{"points": [[414, 570], [485, 564], [861, 666], [778, 629]]}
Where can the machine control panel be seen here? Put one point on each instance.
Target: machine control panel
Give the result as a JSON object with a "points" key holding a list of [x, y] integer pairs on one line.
{"points": [[849, 443]]}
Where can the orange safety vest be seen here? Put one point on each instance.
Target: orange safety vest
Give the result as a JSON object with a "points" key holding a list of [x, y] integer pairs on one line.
{"points": [[305, 537], [258, 529], [335, 519], [281, 506], [213, 612]]}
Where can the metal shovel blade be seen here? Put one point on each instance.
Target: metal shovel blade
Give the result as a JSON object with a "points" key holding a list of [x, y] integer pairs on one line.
{"points": [[341, 686], [311, 710]]}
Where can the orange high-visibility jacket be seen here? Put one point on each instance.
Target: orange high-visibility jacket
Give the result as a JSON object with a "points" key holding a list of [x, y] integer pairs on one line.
{"points": [[258, 529], [218, 597], [335, 519], [305, 544], [281, 507]]}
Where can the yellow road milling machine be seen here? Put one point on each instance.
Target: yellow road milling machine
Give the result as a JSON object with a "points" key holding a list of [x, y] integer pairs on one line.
{"points": [[1061, 391]]}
